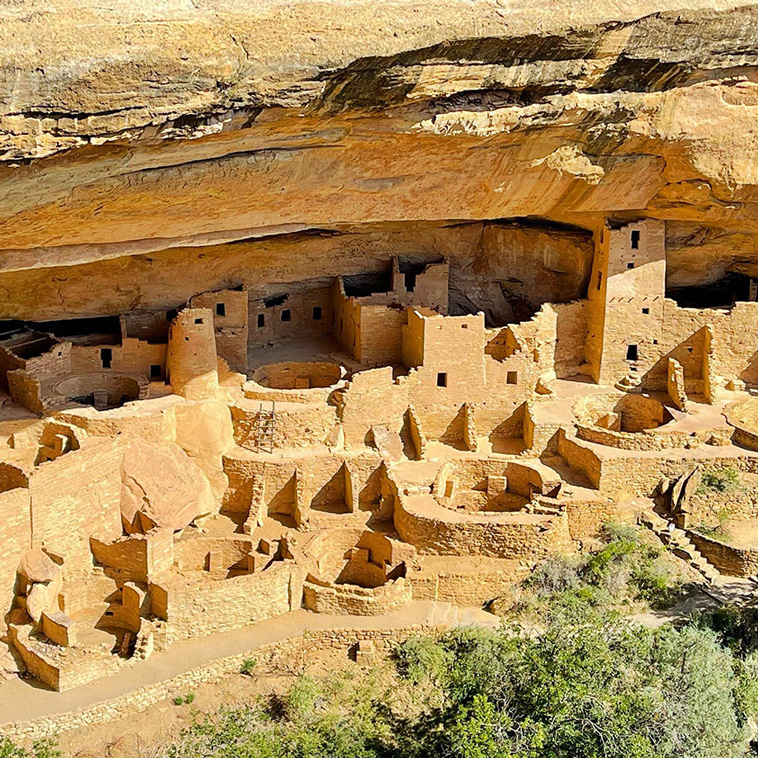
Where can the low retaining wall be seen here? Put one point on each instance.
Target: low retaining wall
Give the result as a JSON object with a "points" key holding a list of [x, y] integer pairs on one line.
{"points": [[288, 654], [339, 599], [734, 561], [521, 537], [648, 439]]}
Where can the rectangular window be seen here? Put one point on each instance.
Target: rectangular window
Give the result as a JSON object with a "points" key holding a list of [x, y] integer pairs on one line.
{"points": [[198, 321], [511, 377], [106, 356], [630, 265], [286, 315], [631, 352], [410, 282], [442, 380], [221, 309], [646, 311], [317, 313], [261, 320], [155, 371], [635, 240]]}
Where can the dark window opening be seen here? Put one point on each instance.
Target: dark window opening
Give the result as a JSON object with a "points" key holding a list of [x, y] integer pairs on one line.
{"points": [[106, 356], [599, 279], [511, 377], [442, 380], [221, 309], [317, 313], [198, 321], [631, 352], [270, 302], [286, 315], [362, 285], [723, 293], [410, 281], [261, 320], [155, 371], [630, 265], [635, 240], [646, 311], [172, 314]]}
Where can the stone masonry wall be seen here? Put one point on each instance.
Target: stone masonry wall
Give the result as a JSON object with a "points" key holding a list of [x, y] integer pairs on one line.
{"points": [[203, 608]]}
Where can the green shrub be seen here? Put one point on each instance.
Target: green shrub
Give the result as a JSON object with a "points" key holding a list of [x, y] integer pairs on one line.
{"points": [[189, 698], [719, 480], [421, 658], [248, 666], [42, 749], [178, 700], [557, 574], [589, 684]]}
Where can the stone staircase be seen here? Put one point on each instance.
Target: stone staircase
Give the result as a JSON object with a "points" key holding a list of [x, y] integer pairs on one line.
{"points": [[680, 544]]}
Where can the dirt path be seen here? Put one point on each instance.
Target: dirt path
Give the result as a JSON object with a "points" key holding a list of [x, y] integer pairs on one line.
{"points": [[22, 700]]}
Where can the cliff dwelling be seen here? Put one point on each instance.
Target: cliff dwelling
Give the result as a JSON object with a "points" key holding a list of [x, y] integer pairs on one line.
{"points": [[362, 339]]}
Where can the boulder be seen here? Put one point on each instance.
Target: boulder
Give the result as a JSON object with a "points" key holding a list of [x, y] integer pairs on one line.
{"points": [[161, 487]]}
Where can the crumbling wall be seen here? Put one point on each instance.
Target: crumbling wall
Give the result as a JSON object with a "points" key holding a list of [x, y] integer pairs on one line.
{"points": [[76, 497], [15, 539]]}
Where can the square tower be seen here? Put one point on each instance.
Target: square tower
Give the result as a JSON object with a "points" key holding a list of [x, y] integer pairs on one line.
{"points": [[625, 301]]}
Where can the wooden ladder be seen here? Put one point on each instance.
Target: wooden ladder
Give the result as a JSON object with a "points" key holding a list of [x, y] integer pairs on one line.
{"points": [[265, 428]]}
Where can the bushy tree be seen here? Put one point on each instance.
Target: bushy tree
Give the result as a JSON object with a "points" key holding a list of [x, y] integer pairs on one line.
{"points": [[589, 684]]}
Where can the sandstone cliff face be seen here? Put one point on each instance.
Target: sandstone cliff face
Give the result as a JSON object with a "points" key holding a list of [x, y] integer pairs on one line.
{"points": [[154, 150]]}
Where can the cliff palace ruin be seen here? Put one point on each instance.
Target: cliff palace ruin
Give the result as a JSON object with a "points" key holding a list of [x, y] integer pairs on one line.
{"points": [[343, 311]]}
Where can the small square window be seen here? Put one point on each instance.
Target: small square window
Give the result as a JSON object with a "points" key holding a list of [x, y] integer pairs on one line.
{"points": [[286, 315], [646, 311], [261, 320], [155, 371], [221, 309], [317, 313], [198, 321], [442, 380], [655, 342], [511, 377], [630, 264], [464, 326]]}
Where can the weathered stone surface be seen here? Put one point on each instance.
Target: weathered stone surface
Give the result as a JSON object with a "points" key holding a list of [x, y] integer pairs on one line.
{"points": [[198, 125], [163, 485]]}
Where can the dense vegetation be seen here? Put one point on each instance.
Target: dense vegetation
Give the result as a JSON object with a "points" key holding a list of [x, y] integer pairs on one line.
{"points": [[583, 682]]}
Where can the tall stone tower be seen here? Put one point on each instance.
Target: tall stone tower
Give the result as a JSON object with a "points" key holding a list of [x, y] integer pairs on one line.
{"points": [[625, 301], [192, 362]]}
